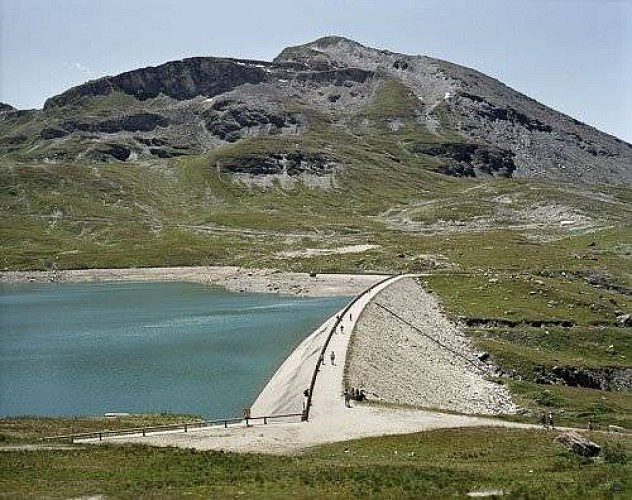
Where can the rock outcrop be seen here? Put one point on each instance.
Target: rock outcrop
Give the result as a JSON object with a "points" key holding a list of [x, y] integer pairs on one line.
{"points": [[5, 108], [579, 444], [458, 121], [180, 80]]}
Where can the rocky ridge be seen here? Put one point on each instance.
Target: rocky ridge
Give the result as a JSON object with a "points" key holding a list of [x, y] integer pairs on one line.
{"points": [[464, 122]]}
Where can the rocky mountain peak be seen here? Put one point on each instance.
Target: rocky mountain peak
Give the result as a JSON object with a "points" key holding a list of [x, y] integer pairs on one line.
{"points": [[453, 119], [337, 52]]}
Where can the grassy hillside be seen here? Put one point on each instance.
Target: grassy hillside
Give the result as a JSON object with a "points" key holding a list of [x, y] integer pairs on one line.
{"points": [[186, 212], [539, 272], [436, 464]]}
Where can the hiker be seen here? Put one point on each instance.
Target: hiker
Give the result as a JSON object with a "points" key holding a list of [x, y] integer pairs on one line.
{"points": [[306, 396], [544, 420], [550, 421], [333, 358], [350, 317], [347, 398], [342, 329], [361, 395]]}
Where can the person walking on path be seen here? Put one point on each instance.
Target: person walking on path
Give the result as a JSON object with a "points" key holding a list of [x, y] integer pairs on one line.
{"points": [[342, 329], [333, 357], [347, 398], [550, 421]]}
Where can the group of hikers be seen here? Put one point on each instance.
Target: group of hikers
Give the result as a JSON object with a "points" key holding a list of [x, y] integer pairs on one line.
{"points": [[355, 394], [350, 393], [332, 357]]}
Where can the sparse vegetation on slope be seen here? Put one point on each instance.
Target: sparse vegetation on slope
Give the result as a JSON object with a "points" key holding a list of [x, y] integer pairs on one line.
{"points": [[435, 464]]}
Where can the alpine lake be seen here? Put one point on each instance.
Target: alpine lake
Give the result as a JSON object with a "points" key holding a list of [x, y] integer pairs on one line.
{"points": [[91, 348]]}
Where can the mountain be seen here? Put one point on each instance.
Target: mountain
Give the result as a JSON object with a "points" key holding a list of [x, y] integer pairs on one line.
{"points": [[447, 118], [298, 162]]}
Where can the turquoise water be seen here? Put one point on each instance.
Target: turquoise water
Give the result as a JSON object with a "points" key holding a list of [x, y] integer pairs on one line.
{"points": [[88, 349]]}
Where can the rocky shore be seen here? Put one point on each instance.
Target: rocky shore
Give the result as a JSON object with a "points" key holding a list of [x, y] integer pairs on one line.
{"points": [[235, 279]]}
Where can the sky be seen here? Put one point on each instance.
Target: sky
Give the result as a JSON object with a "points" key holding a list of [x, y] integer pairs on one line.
{"points": [[572, 55]]}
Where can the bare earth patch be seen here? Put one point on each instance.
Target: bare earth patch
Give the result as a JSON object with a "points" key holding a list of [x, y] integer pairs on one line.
{"points": [[312, 252]]}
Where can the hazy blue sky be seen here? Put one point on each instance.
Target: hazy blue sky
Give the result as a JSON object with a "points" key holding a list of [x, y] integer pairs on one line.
{"points": [[573, 55]]}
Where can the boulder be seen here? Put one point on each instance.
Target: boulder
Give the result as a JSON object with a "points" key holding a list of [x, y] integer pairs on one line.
{"points": [[624, 320], [579, 444]]}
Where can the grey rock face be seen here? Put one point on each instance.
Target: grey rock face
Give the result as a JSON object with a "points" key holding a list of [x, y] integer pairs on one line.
{"points": [[128, 123], [470, 160], [179, 80], [4, 107], [291, 164], [478, 126], [230, 121], [605, 379]]}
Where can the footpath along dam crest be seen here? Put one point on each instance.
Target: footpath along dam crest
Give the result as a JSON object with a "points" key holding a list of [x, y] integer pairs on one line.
{"points": [[284, 393]]}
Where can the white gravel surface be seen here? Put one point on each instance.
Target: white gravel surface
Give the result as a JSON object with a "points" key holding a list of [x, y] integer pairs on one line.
{"points": [[406, 351]]}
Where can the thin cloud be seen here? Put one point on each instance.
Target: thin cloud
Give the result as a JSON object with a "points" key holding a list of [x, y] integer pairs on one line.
{"points": [[84, 70]]}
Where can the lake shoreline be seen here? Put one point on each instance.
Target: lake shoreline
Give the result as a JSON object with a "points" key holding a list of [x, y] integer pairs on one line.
{"points": [[234, 279]]}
